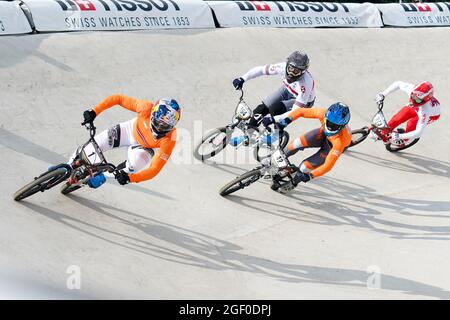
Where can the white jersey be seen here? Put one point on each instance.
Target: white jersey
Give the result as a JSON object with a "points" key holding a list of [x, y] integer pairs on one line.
{"points": [[427, 113], [302, 89]]}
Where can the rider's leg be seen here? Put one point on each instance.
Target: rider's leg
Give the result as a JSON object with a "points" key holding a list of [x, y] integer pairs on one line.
{"points": [[412, 124], [118, 136], [260, 112], [312, 139], [306, 166], [138, 158], [270, 105], [405, 114], [316, 160]]}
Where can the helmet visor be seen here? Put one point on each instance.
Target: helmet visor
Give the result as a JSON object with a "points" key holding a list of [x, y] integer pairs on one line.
{"points": [[161, 126], [333, 127], [293, 71], [416, 99]]}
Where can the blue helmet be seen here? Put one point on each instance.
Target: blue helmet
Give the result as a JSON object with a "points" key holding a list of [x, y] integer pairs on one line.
{"points": [[336, 118]]}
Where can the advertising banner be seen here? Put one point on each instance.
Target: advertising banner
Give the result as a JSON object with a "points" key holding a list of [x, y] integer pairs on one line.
{"points": [[295, 14], [80, 15], [12, 19], [415, 14]]}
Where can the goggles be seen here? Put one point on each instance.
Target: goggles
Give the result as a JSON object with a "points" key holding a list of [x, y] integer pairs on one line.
{"points": [[333, 126], [417, 99], [293, 71]]}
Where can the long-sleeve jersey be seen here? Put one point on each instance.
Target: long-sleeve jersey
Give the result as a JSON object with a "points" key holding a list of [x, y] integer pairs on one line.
{"points": [[142, 133], [338, 142], [429, 112], [302, 89]]}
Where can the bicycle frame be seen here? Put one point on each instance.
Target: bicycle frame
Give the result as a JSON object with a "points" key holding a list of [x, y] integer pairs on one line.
{"points": [[243, 113], [279, 163], [83, 168], [379, 124]]}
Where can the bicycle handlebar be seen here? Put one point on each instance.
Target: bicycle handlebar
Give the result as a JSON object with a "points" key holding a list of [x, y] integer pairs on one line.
{"points": [[90, 126], [242, 94]]}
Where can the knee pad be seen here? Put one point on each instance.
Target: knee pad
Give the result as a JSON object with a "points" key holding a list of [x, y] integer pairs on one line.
{"points": [[114, 136]]}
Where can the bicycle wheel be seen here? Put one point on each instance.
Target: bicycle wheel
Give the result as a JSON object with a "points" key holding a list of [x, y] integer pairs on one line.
{"points": [[68, 188], [261, 152], [393, 148], [214, 142], [358, 136], [241, 182], [43, 182]]}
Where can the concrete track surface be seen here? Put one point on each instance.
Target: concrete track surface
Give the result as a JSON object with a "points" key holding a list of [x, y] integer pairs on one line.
{"points": [[175, 237]]}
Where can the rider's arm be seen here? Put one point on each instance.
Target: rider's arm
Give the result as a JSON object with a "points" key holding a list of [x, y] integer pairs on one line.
{"points": [[117, 99], [268, 70], [158, 161], [312, 113], [404, 86]]}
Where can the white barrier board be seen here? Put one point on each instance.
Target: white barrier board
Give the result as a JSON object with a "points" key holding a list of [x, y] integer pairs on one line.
{"points": [[295, 14], [415, 14], [69, 15], [12, 19]]}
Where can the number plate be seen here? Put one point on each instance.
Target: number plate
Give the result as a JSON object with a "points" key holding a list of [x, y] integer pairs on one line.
{"points": [[379, 120], [279, 159], [243, 111]]}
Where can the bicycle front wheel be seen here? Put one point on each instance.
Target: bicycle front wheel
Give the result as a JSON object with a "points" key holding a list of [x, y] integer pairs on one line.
{"points": [[241, 182], [359, 136], [211, 144]]}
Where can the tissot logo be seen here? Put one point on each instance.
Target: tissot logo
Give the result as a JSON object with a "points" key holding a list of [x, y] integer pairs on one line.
{"points": [[423, 7], [291, 6], [119, 5]]}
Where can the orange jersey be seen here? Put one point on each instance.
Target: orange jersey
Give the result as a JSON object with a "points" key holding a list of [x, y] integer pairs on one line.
{"points": [[339, 141], [142, 133]]}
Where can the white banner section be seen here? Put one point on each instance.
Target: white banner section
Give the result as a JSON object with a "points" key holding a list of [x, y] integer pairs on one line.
{"points": [[71, 15], [415, 14], [295, 14], [12, 19]]}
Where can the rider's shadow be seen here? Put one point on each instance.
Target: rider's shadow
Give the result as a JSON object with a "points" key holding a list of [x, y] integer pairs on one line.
{"points": [[338, 202], [179, 245], [431, 166], [385, 162], [228, 168]]}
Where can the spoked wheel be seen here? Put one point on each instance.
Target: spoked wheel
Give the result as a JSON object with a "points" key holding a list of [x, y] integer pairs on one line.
{"points": [[395, 148], [43, 182], [211, 144], [241, 182], [359, 136], [68, 188], [262, 152]]}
